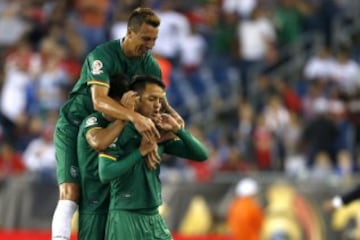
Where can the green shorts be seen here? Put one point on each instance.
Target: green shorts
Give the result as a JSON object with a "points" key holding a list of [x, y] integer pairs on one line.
{"points": [[65, 140], [135, 226], [92, 226]]}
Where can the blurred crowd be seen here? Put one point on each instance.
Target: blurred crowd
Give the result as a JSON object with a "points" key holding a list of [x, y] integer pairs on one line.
{"points": [[307, 127]]}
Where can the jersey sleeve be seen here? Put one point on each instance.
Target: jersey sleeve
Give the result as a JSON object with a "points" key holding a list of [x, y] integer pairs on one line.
{"points": [[153, 67], [91, 122], [111, 166], [115, 161], [99, 66], [186, 146]]}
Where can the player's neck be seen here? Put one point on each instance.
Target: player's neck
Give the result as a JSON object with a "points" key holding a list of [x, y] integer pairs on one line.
{"points": [[126, 47]]}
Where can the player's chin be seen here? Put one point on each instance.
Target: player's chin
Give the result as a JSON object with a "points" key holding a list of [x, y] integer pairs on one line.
{"points": [[155, 116]]}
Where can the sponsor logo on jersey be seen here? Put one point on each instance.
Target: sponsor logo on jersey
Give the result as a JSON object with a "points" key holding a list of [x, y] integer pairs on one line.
{"points": [[91, 121], [96, 67]]}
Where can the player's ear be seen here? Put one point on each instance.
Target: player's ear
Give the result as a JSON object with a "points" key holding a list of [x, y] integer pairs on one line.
{"points": [[130, 32]]}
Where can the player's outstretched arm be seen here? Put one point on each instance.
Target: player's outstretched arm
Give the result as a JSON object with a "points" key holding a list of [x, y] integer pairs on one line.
{"points": [[186, 145]]}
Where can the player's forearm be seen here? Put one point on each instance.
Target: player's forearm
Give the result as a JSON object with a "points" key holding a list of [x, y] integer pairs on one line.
{"points": [[100, 139], [187, 147], [113, 109], [115, 168]]}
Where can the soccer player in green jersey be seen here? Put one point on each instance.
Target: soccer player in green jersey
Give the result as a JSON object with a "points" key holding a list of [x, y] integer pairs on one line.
{"points": [[136, 189], [97, 132], [129, 56]]}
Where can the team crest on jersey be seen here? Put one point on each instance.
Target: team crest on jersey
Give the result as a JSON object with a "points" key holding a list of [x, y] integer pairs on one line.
{"points": [[91, 121], [96, 67]]}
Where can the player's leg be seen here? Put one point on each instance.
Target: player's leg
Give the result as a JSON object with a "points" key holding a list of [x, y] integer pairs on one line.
{"points": [[120, 224], [92, 226], [65, 209], [136, 226], [160, 228], [65, 139]]}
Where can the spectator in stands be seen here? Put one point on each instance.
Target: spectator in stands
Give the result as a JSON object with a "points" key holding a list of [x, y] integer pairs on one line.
{"points": [[344, 164], [289, 97], [11, 162], [243, 8], [12, 26], [246, 116], [245, 215], [289, 20], [192, 51], [314, 92], [320, 134], [263, 142], [89, 21], [256, 43], [346, 71], [322, 168], [320, 66], [17, 78], [173, 29], [39, 156]]}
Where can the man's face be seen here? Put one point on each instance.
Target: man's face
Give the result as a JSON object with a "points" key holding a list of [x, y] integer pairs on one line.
{"points": [[150, 100], [142, 40]]}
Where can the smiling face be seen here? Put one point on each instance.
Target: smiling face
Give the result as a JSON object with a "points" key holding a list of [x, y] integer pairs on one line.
{"points": [[140, 41], [150, 100]]}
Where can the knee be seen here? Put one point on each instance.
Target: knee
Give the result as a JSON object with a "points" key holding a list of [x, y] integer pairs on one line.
{"points": [[69, 191]]}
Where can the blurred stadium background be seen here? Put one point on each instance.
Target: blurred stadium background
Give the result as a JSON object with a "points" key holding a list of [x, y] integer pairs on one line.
{"points": [[271, 86]]}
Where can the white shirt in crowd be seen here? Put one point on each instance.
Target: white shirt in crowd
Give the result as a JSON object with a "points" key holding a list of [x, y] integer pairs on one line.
{"points": [[254, 36]]}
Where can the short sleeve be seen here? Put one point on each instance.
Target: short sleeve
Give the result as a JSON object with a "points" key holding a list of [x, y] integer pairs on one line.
{"points": [[91, 122], [99, 66]]}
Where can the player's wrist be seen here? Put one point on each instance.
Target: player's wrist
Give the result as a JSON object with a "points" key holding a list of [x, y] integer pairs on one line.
{"points": [[133, 117]]}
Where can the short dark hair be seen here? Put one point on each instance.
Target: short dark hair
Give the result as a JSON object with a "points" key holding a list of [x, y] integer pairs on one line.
{"points": [[139, 82], [119, 84], [142, 15]]}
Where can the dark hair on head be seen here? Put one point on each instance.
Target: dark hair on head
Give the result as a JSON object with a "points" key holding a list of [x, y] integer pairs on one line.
{"points": [[119, 84], [143, 15], [139, 82]]}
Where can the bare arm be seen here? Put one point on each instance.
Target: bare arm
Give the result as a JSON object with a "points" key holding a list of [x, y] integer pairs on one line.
{"points": [[100, 138], [172, 112], [103, 103]]}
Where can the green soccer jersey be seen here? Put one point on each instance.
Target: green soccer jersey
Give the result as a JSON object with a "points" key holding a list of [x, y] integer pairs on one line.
{"points": [[133, 185], [94, 194], [103, 62]]}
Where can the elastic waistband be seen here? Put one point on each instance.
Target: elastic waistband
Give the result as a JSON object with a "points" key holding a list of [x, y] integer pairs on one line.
{"points": [[144, 211]]}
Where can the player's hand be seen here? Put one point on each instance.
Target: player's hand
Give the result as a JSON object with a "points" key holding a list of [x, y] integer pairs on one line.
{"points": [[152, 159], [166, 136], [146, 127], [168, 109], [129, 100], [147, 146], [168, 123]]}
